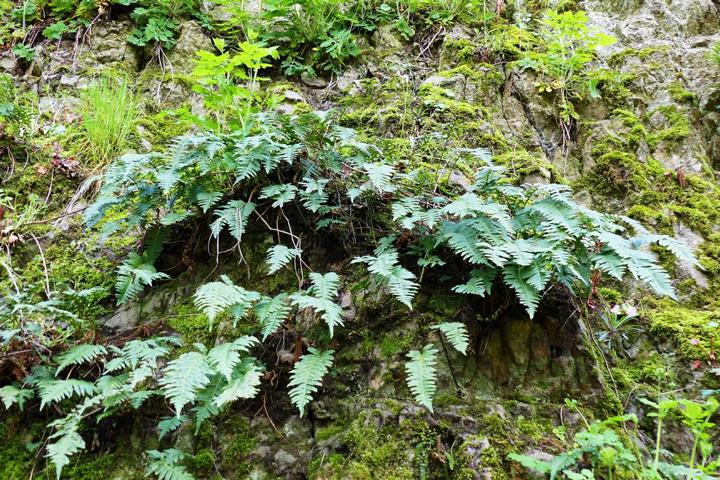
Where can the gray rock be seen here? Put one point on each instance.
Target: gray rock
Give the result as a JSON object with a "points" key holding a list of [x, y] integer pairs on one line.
{"points": [[313, 82], [191, 39], [692, 240], [386, 39]]}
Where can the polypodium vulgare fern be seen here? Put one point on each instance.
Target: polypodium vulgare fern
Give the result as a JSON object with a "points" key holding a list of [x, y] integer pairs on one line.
{"points": [[494, 234], [524, 237]]}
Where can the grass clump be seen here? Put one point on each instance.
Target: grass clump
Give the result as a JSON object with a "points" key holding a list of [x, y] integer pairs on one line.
{"points": [[109, 111]]}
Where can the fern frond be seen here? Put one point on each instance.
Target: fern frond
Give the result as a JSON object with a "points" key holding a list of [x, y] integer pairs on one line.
{"points": [[421, 373], [272, 312], [235, 215], [380, 176], [515, 278], [79, 354], [386, 267], [279, 255], [66, 442], [243, 384], [133, 276], [170, 424], [183, 377], [216, 297], [165, 465], [320, 297], [306, 376], [53, 391], [281, 194], [480, 283], [225, 357], [12, 394], [457, 335]]}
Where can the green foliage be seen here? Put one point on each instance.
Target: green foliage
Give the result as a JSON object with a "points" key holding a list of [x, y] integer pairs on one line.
{"points": [[229, 81], [109, 110], [603, 450], [217, 297], [79, 354], [184, 377], [272, 312], [567, 47], [456, 334], [306, 376], [279, 256], [166, 465], [384, 265], [421, 371], [320, 297]]}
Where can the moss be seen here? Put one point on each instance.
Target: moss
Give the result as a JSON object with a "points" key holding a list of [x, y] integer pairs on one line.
{"points": [[677, 129], [332, 466], [521, 163], [236, 452], [696, 332], [328, 432], [202, 463], [681, 95], [160, 128], [193, 326]]}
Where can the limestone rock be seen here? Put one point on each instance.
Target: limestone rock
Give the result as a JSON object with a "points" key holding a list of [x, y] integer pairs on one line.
{"points": [[191, 39]]}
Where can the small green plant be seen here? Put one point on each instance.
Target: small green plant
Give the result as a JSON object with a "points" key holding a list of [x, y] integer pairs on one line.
{"points": [[228, 81], [612, 448], [24, 52], [108, 112], [565, 48]]}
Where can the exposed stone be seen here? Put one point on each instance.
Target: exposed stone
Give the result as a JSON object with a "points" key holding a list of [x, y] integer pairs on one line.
{"points": [[693, 240], [313, 81], [191, 40], [385, 38]]}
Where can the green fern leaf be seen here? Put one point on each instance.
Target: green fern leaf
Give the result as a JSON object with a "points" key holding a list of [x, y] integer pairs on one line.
{"points": [[380, 176], [456, 334], [281, 194], [170, 424], [225, 357], [515, 277], [272, 312], [216, 297], [12, 394], [133, 276], [421, 373], [53, 391], [306, 376], [480, 283], [243, 384], [386, 267], [235, 215], [279, 255], [79, 354], [67, 442], [320, 297], [183, 378], [165, 465]]}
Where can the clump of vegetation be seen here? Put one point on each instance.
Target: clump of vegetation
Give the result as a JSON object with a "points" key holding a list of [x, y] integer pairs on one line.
{"points": [[108, 112], [566, 48], [611, 448]]}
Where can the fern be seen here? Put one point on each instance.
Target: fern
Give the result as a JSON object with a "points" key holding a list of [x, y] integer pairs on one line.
{"points": [[165, 465], [65, 442], [134, 275], [170, 424], [243, 383], [280, 194], [279, 255], [79, 354], [516, 277], [183, 378], [385, 266], [320, 297], [217, 297], [456, 334], [235, 216], [53, 391], [12, 395], [480, 283], [225, 357], [421, 374], [272, 312], [306, 376]]}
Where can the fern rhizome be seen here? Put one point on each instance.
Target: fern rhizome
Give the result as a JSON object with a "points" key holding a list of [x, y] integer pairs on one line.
{"points": [[293, 176]]}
